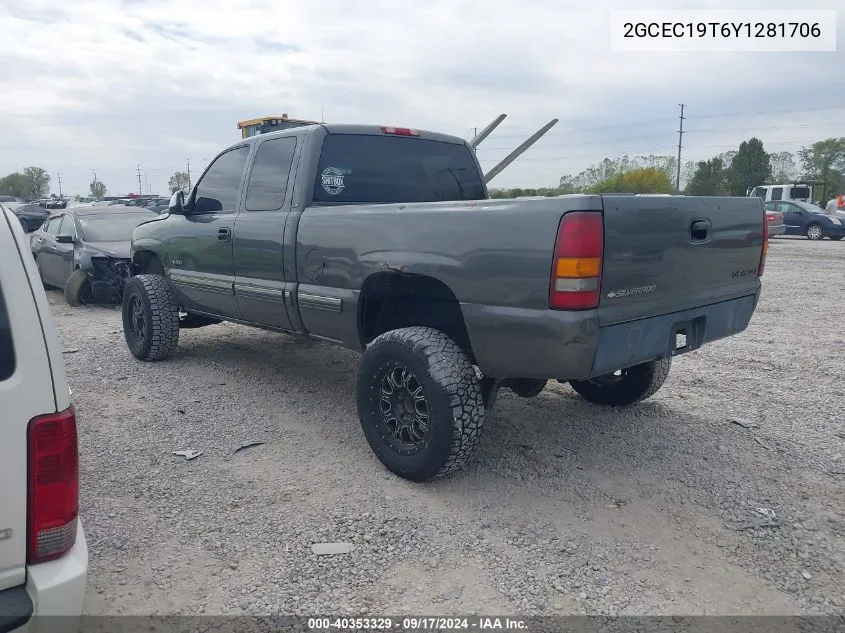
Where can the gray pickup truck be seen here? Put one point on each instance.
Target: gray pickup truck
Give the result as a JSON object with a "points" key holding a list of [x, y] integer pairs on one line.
{"points": [[383, 240]]}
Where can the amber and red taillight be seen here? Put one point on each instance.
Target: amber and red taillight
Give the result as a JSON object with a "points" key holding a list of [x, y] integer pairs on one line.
{"points": [[576, 269], [52, 486]]}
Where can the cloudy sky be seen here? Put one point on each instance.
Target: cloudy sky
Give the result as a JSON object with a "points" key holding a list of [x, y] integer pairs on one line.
{"points": [[111, 84]]}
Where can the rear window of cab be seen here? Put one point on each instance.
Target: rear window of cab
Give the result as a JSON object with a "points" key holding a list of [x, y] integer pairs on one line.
{"points": [[372, 169]]}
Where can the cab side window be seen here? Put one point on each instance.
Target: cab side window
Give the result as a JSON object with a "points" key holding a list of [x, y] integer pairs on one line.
{"points": [[217, 191], [268, 180]]}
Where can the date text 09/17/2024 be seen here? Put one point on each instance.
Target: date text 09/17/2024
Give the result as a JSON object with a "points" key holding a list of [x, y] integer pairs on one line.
{"points": [[416, 623]]}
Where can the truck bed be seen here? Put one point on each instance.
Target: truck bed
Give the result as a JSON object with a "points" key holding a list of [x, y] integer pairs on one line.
{"points": [[496, 257]]}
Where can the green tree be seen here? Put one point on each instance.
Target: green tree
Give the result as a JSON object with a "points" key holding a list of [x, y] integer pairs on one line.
{"points": [[39, 181], [178, 182], [750, 167], [727, 158], [97, 188], [15, 184], [33, 182], [784, 167], [825, 160], [708, 179], [643, 180]]}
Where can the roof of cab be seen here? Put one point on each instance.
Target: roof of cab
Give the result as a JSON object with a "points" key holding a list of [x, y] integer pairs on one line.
{"points": [[350, 128]]}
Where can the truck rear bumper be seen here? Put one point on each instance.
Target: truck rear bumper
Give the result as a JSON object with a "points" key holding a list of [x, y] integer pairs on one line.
{"points": [[525, 343], [635, 342]]}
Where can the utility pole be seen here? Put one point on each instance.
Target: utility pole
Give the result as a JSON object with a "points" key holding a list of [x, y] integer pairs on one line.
{"points": [[59, 176], [140, 190], [680, 144], [189, 174], [146, 183], [474, 132]]}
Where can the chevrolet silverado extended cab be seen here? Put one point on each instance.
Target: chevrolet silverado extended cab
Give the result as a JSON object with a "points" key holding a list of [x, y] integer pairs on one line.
{"points": [[383, 240]]}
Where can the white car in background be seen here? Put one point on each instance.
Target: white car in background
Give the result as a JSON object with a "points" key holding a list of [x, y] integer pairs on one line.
{"points": [[43, 553]]}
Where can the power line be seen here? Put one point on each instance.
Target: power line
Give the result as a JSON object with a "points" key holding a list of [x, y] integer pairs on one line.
{"points": [[772, 127], [583, 143], [587, 156], [612, 140], [680, 143], [595, 129], [732, 114], [735, 145], [688, 117]]}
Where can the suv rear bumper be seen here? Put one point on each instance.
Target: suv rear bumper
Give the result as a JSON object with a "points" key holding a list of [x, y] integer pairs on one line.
{"points": [[55, 588]]}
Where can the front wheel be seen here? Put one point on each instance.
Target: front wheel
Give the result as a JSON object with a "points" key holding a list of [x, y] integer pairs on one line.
{"points": [[419, 402], [815, 232], [626, 386], [78, 289], [150, 317]]}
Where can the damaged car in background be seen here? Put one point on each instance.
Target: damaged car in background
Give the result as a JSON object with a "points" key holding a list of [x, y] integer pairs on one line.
{"points": [[85, 251]]}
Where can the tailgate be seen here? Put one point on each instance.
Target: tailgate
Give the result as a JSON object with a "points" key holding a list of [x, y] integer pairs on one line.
{"points": [[666, 254]]}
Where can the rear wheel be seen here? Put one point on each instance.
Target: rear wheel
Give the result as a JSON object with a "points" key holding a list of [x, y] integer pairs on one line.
{"points": [[815, 232], [626, 386], [419, 402], [150, 317], [78, 289]]}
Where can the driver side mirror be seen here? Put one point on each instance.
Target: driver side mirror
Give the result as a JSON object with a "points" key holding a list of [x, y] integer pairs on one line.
{"points": [[177, 203], [64, 239]]}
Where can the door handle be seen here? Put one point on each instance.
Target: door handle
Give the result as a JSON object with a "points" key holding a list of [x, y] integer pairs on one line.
{"points": [[224, 234], [699, 230]]}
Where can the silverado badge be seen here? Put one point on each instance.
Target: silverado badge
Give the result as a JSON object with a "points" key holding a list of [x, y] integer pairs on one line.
{"points": [[627, 292]]}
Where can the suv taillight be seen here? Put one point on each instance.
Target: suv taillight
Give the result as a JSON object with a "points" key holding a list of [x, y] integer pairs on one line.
{"points": [[765, 250], [52, 485], [576, 269]]}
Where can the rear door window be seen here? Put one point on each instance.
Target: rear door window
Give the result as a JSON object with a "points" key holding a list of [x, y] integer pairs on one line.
{"points": [[361, 169], [7, 349], [777, 193], [268, 180]]}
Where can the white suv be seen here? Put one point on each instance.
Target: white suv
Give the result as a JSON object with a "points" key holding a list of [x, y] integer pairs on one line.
{"points": [[43, 553]]}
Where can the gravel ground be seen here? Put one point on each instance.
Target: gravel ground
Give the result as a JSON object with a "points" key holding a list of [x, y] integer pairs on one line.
{"points": [[567, 507]]}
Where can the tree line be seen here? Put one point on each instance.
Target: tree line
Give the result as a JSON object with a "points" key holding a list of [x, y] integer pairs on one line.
{"points": [[730, 173], [34, 182]]}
